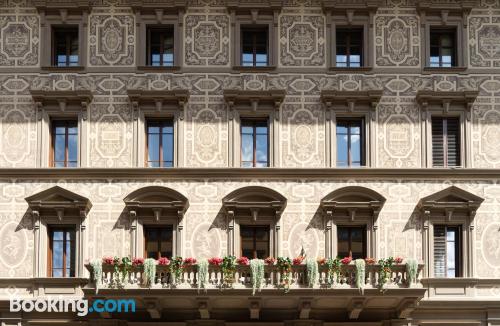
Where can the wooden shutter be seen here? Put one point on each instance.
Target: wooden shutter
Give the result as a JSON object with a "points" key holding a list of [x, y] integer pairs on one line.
{"points": [[439, 251], [437, 142], [453, 141]]}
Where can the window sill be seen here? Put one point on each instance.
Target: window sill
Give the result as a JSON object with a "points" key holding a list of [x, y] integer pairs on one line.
{"points": [[444, 70], [158, 68], [68, 68], [350, 69], [254, 69]]}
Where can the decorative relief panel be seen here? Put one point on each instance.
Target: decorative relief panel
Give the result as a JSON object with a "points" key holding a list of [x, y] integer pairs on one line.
{"points": [[486, 147], [484, 41], [206, 40], [303, 135], [398, 140], [397, 40], [302, 40], [19, 40], [111, 39]]}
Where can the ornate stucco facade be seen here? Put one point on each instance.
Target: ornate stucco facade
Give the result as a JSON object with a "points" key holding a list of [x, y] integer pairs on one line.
{"points": [[105, 93]]}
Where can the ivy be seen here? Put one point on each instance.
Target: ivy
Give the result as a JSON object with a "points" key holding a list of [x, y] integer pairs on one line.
{"points": [[257, 270]]}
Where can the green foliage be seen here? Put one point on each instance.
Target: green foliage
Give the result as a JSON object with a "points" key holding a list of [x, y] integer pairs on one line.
{"points": [[284, 265], [176, 267], [228, 268], [150, 271], [385, 271], [334, 266], [411, 270], [97, 273], [312, 272], [360, 274], [257, 270], [202, 274]]}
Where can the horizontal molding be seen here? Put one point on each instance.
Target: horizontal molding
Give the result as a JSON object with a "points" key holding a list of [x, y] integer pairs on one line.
{"points": [[249, 173]]}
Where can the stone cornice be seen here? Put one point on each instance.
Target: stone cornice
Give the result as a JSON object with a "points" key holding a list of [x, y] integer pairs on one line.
{"points": [[235, 96], [245, 173], [437, 5], [43, 97], [62, 4], [464, 97], [362, 5], [177, 96], [350, 98]]}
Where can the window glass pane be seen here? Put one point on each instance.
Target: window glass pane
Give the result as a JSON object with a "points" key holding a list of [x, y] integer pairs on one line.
{"points": [[72, 148], [153, 147], [57, 272], [261, 150], [355, 148], [246, 147], [168, 147], [60, 148], [342, 150], [57, 254]]}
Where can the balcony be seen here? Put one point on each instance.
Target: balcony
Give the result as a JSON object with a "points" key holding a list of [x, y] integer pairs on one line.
{"points": [[338, 294]]}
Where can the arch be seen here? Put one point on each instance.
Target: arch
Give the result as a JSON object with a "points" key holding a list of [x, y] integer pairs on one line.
{"points": [[156, 197], [253, 197], [353, 197]]}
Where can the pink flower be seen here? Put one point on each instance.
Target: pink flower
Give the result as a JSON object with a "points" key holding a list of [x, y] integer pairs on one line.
{"points": [[243, 261], [270, 261], [137, 261], [398, 260], [108, 260], [189, 261], [163, 261], [321, 261], [215, 261], [346, 260], [298, 260]]}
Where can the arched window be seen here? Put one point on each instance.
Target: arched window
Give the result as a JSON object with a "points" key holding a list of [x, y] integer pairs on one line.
{"points": [[351, 215], [59, 226], [156, 215], [253, 218], [448, 232]]}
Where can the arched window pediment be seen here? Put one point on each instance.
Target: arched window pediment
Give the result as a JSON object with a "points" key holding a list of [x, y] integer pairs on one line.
{"points": [[449, 200], [59, 200], [254, 198], [156, 198], [353, 199]]}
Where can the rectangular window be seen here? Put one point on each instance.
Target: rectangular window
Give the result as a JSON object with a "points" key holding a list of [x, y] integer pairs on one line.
{"points": [[442, 47], [158, 241], [254, 143], [351, 241], [446, 141], [447, 242], [350, 142], [62, 251], [160, 143], [160, 46], [349, 51], [254, 46], [65, 46], [64, 143], [255, 241]]}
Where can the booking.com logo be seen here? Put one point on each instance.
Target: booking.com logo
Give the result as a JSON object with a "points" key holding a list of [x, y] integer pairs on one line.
{"points": [[80, 306]]}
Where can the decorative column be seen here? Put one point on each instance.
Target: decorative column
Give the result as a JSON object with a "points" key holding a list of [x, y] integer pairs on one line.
{"points": [[36, 228], [133, 232], [179, 247], [230, 232], [374, 239], [426, 243], [83, 241], [277, 235], [328, 216]]}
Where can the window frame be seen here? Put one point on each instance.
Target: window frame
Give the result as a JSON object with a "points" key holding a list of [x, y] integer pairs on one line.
{"points": [[458, 250], [445, 137], [50, 254], [53, 125], [161, 156], [350, 228], [250, 17], [66, 29], [146, 227], [163, 27], [362, 140], [254, 227], [363, 51], [254, 122], [442, 31], [254, 29]]}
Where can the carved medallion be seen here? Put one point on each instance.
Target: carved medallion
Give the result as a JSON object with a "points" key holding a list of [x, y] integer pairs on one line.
{"points": [[489, 41], [302, 40], [206, 40], [16, 40]]}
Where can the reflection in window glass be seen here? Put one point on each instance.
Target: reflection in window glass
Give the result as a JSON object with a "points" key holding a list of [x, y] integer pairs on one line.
{"points": [[350, 143], [160, 46], [160, 143], [442, 47], [64, 143], [349, 49], [254, 46], [254, 143], [62, 252], [65, 46]]}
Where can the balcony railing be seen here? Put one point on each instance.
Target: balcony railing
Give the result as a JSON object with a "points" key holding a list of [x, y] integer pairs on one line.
{"points": [[346, 279]]}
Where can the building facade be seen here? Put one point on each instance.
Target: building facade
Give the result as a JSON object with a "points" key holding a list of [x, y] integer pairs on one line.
{"points": [[213, 128]]}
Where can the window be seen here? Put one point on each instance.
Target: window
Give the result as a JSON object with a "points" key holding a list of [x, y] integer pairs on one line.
{"points": [[64, 143], [446, 141], [158, 241], [254, 143], [61, 252], [351, 241], [160, 143], [447, 251], [254, 46], [350, 142], [160, 46], [349, 51], [254, 241], [65, 46], [442, 47]]}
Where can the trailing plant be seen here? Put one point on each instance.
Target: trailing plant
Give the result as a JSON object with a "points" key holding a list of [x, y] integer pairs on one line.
{"points": [[312, 272], [228, 268], [97, 273], [411, 270], [176, 267], [334, 266], [149, 271], [385, 271], [257, 271], [360, 274], [124, 268], [284, 265], [202, 274]]}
